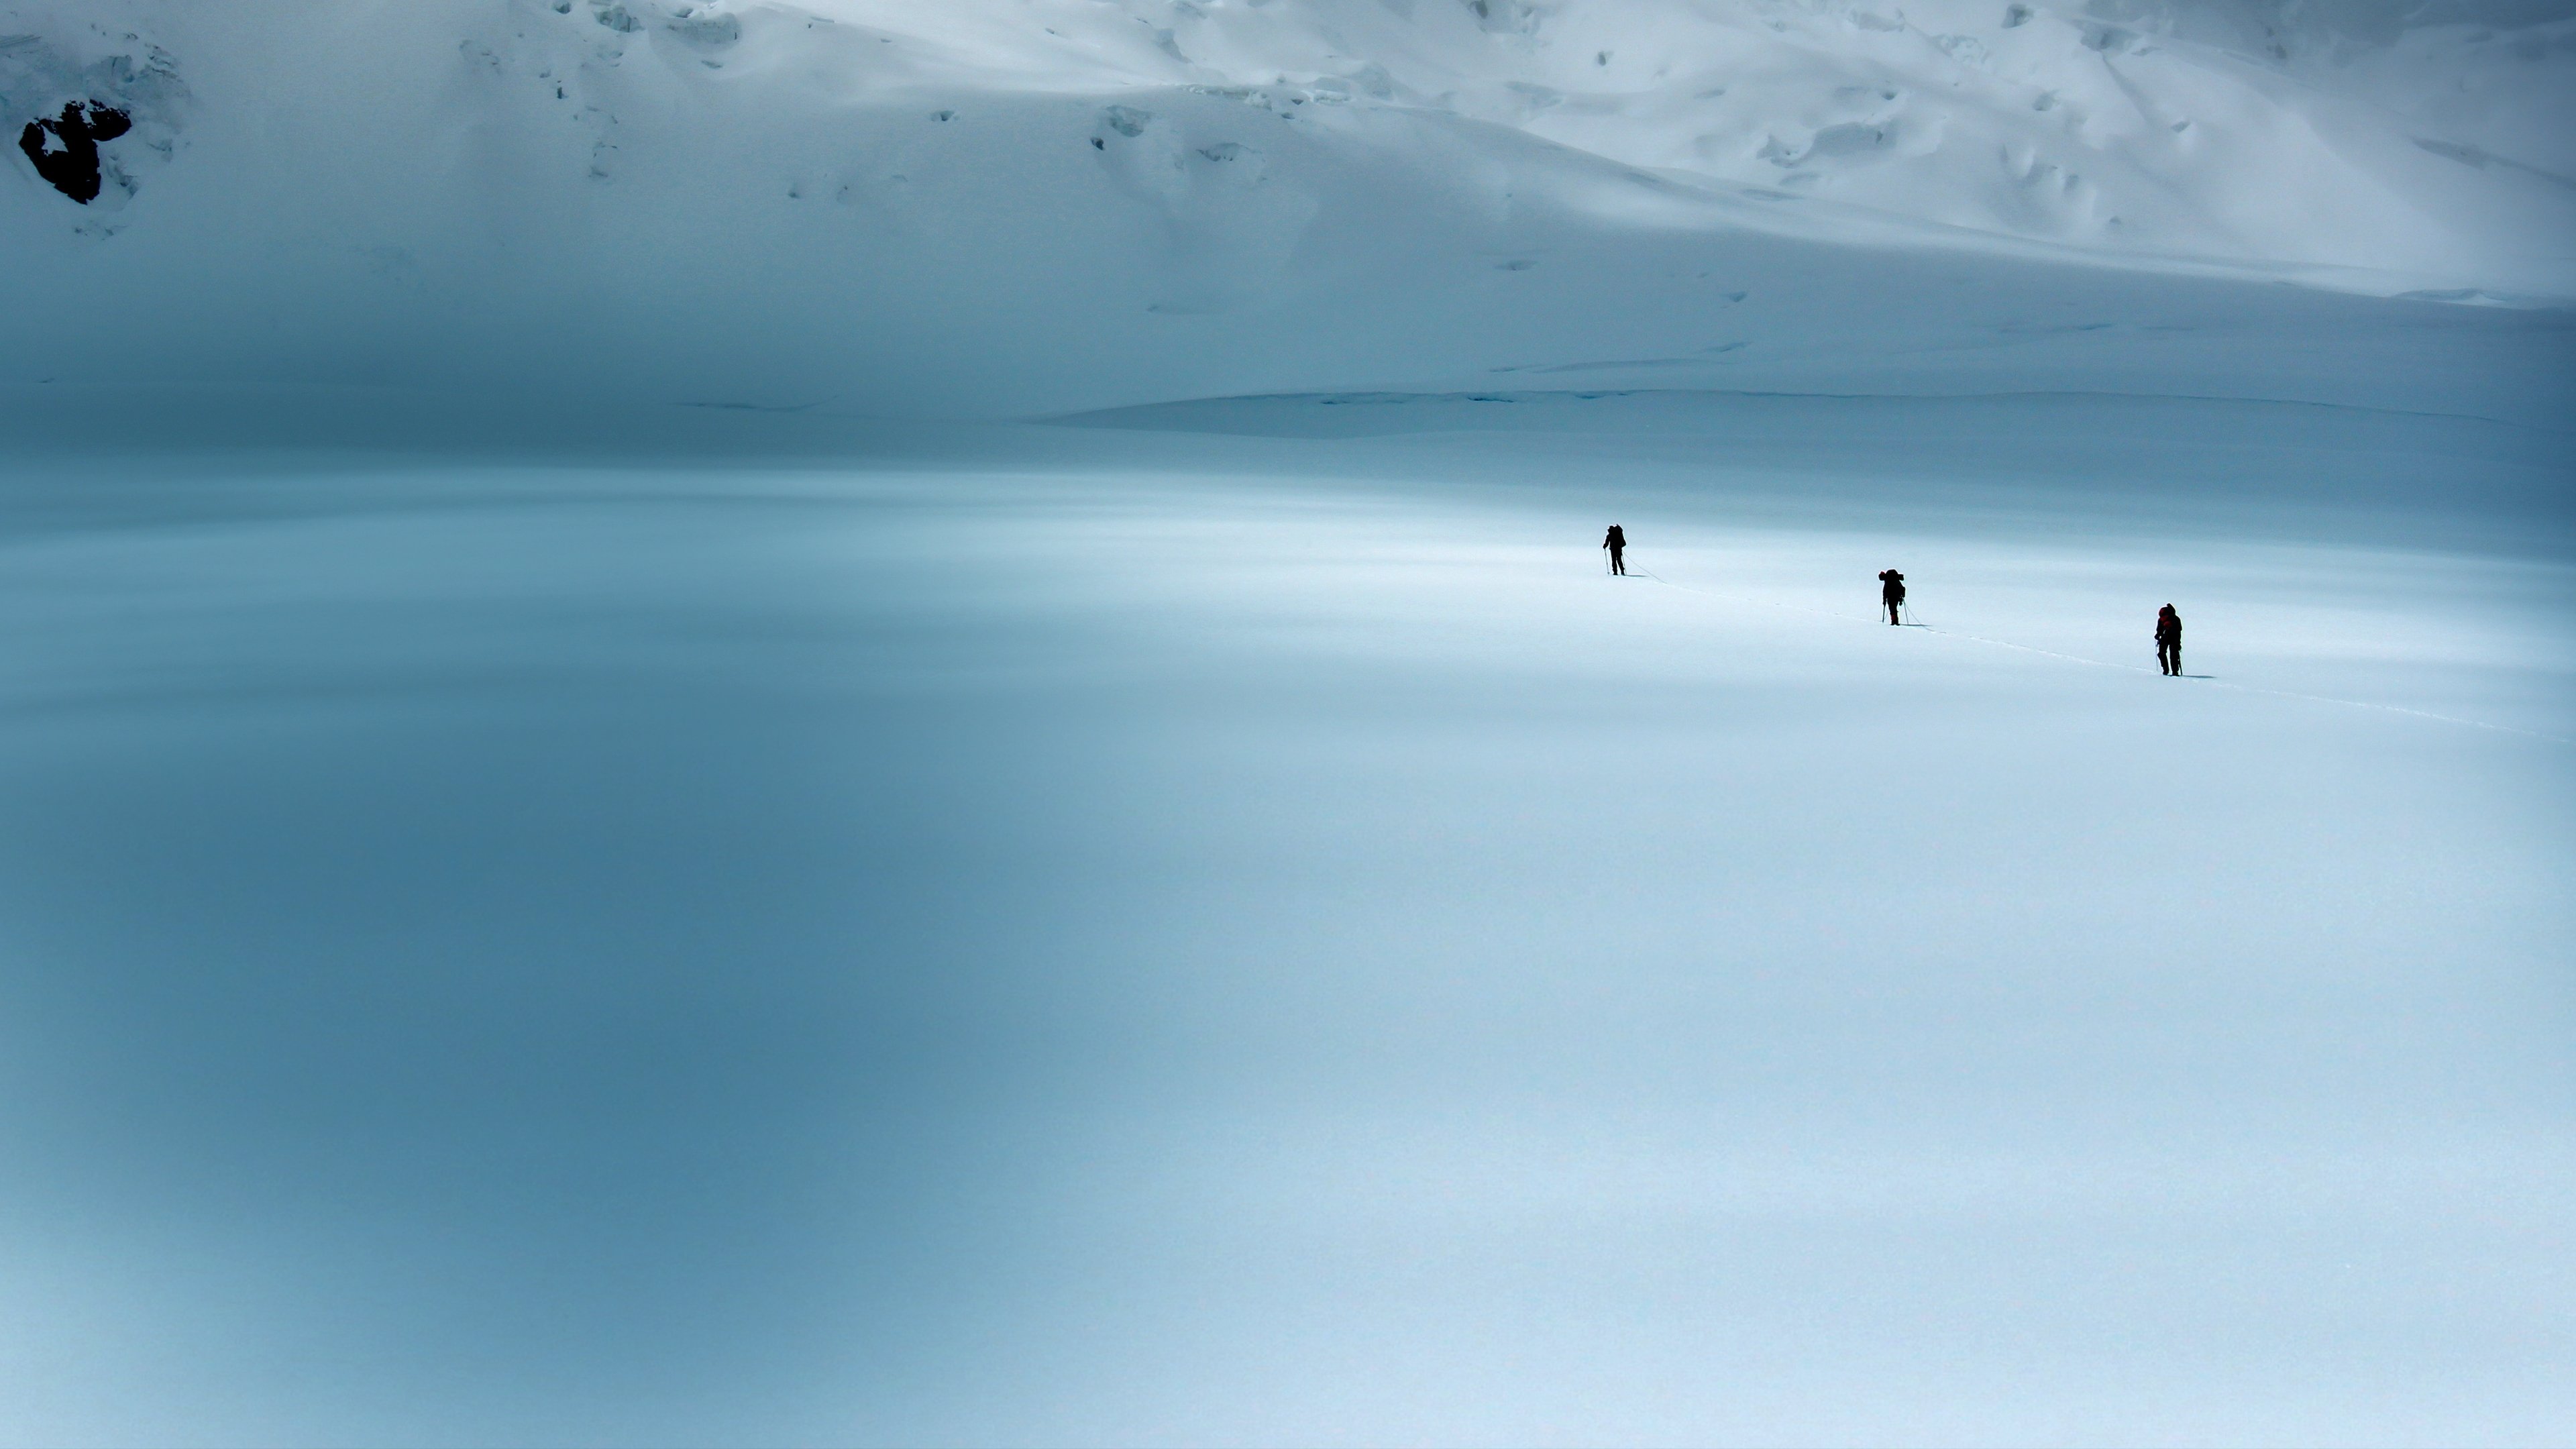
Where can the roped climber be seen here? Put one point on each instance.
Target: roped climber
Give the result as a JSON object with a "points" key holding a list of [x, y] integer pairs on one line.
{"points": [[1617, 542], [2169, 640], [1891, 594]]}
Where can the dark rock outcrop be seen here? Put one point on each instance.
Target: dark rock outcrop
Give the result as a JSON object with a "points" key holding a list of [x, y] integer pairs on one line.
{"points": [[74, 168]]}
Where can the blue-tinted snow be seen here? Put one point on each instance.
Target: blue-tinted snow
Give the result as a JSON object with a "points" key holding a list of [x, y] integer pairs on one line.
{"points": [[576, 866], [1087, 934]]}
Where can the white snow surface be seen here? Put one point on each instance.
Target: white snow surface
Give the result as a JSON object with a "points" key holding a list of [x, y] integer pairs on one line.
{"points": [[894, 721], [1222, 925], [1018, 207], [2260, 133]]}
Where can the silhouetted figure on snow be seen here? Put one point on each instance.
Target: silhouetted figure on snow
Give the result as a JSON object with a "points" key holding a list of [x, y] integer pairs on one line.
{"points": [[2169, 640], [1891, 593], [1617, 542], [73, 170]]}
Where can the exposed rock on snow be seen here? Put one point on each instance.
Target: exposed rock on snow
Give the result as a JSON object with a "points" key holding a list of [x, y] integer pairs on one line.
{"points": [[2234, 130], [74, 86], [64, 148], [611, 193]]}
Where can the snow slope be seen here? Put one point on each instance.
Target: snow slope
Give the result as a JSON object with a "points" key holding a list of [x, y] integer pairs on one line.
{"points": [[582, 862], [2258, 133], [1014, 207]]}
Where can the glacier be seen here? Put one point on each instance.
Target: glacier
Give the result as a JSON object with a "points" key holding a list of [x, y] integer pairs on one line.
{"points": [[894, 721]]}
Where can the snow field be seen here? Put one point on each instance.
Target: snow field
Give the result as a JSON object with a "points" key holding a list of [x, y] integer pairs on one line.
{"points": [[1078, 934], [946, 210], [578, 866]]}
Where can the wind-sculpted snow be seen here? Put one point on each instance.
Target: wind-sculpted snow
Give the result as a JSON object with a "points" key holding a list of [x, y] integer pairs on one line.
{"points": [[980, 208]]}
